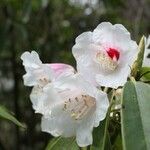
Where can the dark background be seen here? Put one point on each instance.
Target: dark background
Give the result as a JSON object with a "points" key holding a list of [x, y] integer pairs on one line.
{"points": [[50, 27]]}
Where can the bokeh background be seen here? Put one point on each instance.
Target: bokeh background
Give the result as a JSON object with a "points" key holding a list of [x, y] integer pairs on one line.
{"points": [[50, 27]]}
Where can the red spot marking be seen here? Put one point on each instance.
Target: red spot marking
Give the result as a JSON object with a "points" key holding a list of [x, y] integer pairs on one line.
{"points": [[113, 53]]}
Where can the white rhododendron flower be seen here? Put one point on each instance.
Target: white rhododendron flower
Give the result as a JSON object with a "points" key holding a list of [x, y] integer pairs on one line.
{"points": [[39, 75], [104, 56], [146, 61], [76, 107]]}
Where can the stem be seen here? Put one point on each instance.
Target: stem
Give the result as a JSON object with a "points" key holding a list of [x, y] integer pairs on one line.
{"points": [[107, 120], [83, 148]]}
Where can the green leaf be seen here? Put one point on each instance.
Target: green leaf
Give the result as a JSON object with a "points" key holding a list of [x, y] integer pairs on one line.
{"points": [[138, 63], [98, 138], [145, 73], [5, 114], [135, 116], [118, 143], [62, 143]]}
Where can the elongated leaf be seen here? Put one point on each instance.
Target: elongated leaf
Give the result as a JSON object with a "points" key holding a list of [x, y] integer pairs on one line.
{"points": [[136, 116], [138, 63], [118, 143], [62, 144], [98, 138], [5, 114], [145, 73]]}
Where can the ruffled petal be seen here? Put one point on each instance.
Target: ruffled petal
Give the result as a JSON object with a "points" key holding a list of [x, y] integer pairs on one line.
{"points": [[31, 60], [102, 104], [38, 98], [49, 125], [36, 72], [84, 38], [44, 98], [115, 79], [109, 35], [59, 121], [84, 137]]}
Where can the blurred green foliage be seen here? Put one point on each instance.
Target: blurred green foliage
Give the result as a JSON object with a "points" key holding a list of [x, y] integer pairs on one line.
{"points": [[50, 27]]}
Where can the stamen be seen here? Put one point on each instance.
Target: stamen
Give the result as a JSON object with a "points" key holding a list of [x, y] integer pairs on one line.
{"points": [[44, 81], [79, 106], [69, 100], [106, 63], [76, 99], [37, 89], [81, 113]]}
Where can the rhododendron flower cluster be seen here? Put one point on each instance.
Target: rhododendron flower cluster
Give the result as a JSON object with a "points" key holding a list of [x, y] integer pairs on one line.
{"points": [[70, 106], [71, 101]]}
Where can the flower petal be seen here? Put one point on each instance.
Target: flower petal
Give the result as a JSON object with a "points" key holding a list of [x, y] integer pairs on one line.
{"points": [[102, 104], [49, 125], [36, 72], [59, 121], [31, 60], [84, 37], [84, 136], [111, 80], [60, 68]]}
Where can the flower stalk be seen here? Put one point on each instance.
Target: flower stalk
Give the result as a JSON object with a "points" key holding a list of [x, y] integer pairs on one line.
{"points": [[107, 119]]}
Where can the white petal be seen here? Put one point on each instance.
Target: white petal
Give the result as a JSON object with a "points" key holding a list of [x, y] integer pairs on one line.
{"points": [[103, 25], [115, 79], [81, 49], [84, 137], [29, 80], [39, 76], [102, 104], [31, 59], [49, 125], [84, 132], [36, 72], [44, 98], [122, 28], [84, 37], [84, 55], [47, 72], [112, 36], [89, 70], [85, 86], [38, 99], [74, 82], [61, 122], [60, 69]]}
